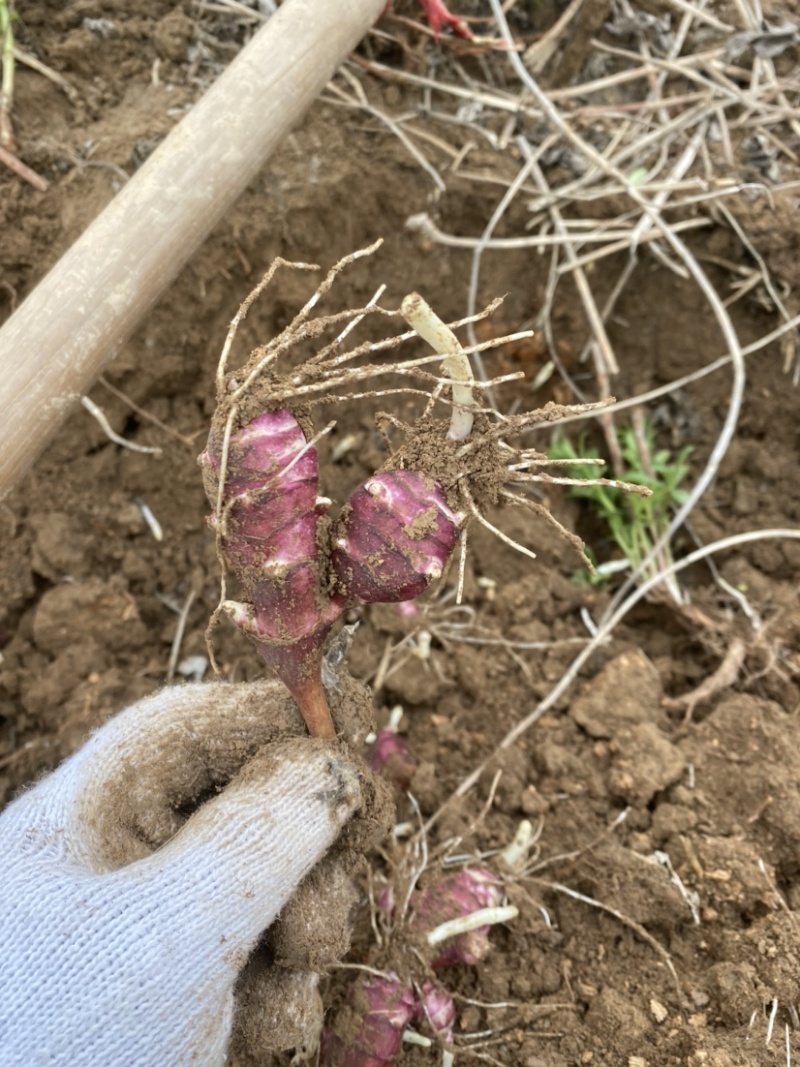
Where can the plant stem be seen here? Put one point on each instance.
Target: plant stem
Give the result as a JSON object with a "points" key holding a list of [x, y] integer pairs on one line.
{"points": [[7, 86]]}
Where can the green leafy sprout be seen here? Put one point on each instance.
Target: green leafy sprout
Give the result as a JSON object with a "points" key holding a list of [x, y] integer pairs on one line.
{"points": [[635, 523]]}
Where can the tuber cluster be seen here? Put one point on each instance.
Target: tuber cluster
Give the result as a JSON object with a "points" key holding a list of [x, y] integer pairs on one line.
{"points": [[394, 536], [300, 567], [297, 570], [381, 1007], [443, 924]]}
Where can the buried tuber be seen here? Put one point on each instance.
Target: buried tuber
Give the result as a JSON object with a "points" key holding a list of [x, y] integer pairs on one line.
{"points": [[444, 925], [418, 931], [298, 570], [390, 754]]}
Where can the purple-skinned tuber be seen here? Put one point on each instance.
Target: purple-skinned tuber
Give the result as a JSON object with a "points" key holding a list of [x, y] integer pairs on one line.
{"points": [[392, 540], [453, 897], [381, 1007], [379, 1011], [268, 533], [368, 1031], [391, 755], [299, 572]]}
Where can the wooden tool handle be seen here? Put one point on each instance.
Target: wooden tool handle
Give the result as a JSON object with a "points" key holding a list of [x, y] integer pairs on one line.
{"points": [[81, 313]]}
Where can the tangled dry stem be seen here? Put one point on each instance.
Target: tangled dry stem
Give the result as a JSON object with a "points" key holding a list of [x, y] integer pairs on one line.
{"points": [[658, 134]]}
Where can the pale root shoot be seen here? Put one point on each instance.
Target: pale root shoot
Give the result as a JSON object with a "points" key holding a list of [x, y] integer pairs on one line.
{"points": [[421, 317]]}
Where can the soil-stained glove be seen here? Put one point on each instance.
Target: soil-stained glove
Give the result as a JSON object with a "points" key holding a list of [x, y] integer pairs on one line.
{"points": [[124, 920]]}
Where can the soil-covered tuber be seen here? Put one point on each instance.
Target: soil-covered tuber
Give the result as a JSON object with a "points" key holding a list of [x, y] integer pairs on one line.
{"points": [[394, 537]]}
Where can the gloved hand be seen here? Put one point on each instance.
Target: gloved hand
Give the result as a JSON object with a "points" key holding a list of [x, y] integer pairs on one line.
{"points": [[125, 921]]}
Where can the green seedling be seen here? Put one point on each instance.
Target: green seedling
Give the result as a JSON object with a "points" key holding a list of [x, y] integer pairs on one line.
{"points": [[635, 523]]}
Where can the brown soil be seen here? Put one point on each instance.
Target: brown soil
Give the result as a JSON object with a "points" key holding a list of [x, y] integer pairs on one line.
{"points": [[662, 939]]}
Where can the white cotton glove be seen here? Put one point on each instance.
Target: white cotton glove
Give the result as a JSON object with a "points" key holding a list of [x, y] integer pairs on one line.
{"points": [[119, 948]]}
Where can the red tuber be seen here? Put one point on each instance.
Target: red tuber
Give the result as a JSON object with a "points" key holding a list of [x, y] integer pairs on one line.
{"points": [[379, 1007], [268, 527], [398, 530]]}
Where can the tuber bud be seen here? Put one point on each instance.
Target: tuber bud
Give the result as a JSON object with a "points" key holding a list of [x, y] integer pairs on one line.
{"points": [[454, 897], [394, 538]]}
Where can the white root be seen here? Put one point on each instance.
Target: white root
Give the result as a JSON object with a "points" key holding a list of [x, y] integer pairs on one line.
{"points": [[474, 921], [97, 412], [421, 318], [515, 854]]}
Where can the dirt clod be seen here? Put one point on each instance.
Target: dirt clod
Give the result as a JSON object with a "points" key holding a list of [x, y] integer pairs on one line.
{"points": [[645, 763], [627, 691]]}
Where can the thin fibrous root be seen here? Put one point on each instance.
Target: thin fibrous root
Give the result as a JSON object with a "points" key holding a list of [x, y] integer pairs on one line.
{"points": [[464, 468], [245, 306], [542, 416], [539, 509], [462, 565], [476, 513], [611, 483]]}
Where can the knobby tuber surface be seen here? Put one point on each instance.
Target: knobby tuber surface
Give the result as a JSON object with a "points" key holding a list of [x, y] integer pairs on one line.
{"points": [[299, 573]]}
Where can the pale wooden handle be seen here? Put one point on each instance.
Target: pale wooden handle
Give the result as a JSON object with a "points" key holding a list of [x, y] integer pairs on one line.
{"points": [[78, 317]]}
